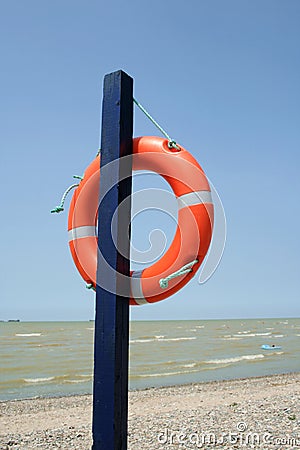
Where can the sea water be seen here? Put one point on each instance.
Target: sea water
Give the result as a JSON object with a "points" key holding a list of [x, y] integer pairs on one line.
{"points": [[56, 358]]}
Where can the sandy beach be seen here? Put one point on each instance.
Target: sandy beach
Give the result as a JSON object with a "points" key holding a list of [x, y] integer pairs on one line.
{"points": [[262, 412]]}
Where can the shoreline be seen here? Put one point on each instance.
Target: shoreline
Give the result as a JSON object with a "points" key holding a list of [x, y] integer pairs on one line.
{"points": [[163, 418], [221, 380]]}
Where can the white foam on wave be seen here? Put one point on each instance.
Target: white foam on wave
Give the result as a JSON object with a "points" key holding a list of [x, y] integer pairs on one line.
{"points": [[189, 365], [134, 341], [28, 334], [230, 338], [189, 338], [159, 336], [38, 380], [263, 334], [277, 336], [234, 359], [199, 326], [165, 374], [74, 381], [252, 334]]}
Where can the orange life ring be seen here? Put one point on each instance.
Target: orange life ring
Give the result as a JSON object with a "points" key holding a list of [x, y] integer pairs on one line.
{"points": [[194, 225]]}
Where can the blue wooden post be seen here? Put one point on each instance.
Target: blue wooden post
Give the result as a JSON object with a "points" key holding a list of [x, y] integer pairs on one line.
{"points": [[110, 401]]}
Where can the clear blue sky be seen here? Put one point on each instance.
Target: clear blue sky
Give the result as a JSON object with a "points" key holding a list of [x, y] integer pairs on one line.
{"points": [[221, 77]]}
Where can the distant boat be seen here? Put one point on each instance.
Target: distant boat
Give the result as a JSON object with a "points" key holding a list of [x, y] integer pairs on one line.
{"points": [[13, 320], [270, 347]]}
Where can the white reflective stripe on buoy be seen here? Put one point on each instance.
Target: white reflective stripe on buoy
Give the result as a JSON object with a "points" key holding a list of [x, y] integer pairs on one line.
{"points": [[82, 232], [136, 287], [194, 198]]}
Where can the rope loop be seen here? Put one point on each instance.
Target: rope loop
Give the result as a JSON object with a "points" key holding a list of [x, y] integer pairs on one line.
{"points": [[173, 144]]}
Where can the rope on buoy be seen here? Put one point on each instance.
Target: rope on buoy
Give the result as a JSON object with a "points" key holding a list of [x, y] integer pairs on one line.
{"points": [[164, 282], [60, 208], [171, 143], [90, 286]]}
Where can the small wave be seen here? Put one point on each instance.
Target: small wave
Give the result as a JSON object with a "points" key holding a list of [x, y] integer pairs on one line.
{"points": [[191, 338], [270, 328], [74, 381], [230, 338], [234, 359], [38, 380], [54, 344], [277, 336], [134, 341], [164, 374], [199, 326], [189, 365], [250, 357], [252, 334], [159, 336], [263, 334], [28, 334]]}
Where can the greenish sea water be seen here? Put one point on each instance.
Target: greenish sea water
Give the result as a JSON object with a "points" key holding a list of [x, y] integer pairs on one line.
{"points": [[56, 358]]}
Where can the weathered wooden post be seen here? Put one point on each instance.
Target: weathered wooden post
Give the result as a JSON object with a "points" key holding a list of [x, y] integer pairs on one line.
{"points": [[110, 393], [110, 259]]}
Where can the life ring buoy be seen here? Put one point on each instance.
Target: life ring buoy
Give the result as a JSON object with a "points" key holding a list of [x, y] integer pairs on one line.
{"points": [[194, 225]]}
